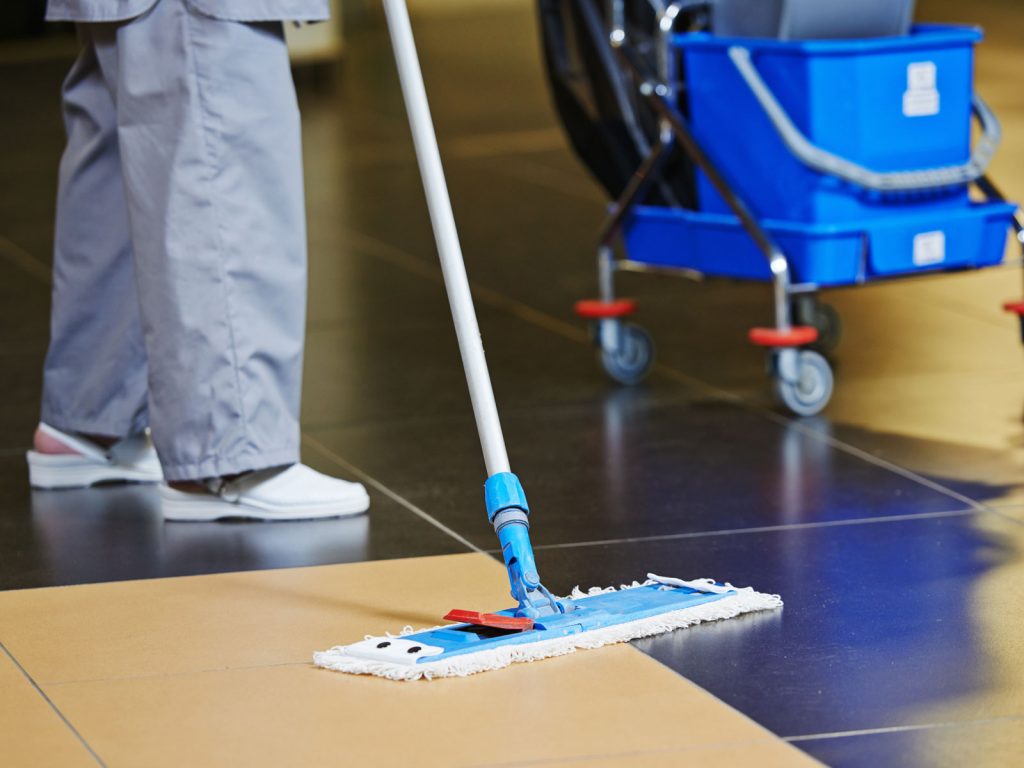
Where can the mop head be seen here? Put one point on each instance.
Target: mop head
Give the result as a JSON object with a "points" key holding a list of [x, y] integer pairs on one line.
{"points": [[595, 618]]}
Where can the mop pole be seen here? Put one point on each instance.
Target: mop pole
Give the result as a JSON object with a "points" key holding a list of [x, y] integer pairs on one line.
{"points": [[507, 508], [443, 220]]}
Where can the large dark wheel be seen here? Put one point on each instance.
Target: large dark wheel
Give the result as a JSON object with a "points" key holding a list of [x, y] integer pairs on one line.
{"points": [[608, 124], [809, 310]]}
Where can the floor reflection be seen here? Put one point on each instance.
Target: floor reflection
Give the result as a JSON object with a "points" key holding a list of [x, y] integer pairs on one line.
{"points": [[116, 532]]}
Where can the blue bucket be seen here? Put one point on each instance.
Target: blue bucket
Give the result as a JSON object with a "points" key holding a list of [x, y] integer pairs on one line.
{"points": [[888, 104]]}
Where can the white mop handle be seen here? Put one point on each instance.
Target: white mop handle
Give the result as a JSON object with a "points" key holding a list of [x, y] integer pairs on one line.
{"points": [[443, 220]]}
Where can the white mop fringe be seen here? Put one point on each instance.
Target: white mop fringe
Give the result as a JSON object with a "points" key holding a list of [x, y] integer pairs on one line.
{"points": [[745, 600]]}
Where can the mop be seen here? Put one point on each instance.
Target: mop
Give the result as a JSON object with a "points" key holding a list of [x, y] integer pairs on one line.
{"points": [[541, 625]]}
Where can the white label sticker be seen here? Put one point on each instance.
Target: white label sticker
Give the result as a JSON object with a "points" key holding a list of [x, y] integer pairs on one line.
{"points": [[920, 104], [921, 76], [921, 97], [929, 248]]}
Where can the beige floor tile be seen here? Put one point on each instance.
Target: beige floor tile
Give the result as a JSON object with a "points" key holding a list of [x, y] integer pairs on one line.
{"points": [[32, 735], [216, 669], [763, 754], [613, 701], [169, 626]]}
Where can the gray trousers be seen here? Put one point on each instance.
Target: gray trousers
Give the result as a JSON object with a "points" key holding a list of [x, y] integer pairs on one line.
{"points": [[180, 251]]}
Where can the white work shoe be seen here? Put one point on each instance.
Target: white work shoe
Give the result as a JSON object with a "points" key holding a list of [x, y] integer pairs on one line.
{"points": [[281, 493], [131, 460]]}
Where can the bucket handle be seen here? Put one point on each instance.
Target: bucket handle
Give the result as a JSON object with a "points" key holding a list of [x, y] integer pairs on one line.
{"points": [[823, 161]]}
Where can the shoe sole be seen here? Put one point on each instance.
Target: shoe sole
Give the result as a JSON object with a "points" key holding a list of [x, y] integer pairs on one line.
{"points": [[49, 472], [205, 510]]}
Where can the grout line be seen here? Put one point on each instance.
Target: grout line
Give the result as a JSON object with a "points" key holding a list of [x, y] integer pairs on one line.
{"points": [[467, 148], [428, 269], [49, 701], [870, 458], [757, 529], [567, 330], [25, 261], [901, 729], [370, 480], [816, 434], [672, 397]]}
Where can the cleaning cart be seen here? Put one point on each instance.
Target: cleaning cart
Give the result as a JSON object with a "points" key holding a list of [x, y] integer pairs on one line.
{"points": [[808, 144]]}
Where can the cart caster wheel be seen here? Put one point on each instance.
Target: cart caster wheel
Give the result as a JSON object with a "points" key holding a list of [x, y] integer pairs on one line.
{"points": [[807, 388], [807, 310], [632, 359]]}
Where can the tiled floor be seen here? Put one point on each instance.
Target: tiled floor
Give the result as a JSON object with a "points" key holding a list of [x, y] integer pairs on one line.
{"points": [[32, 733], [892, 525], [238, 687]]}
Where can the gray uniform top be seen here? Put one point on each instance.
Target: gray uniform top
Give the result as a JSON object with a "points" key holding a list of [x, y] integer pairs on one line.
{"points": [[228, 10]]}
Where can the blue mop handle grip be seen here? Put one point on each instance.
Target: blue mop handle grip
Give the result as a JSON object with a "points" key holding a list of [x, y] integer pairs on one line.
{"points": [[509, 513]]}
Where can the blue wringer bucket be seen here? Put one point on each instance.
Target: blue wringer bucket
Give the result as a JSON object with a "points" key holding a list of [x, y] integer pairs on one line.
{"points": [[855, 154]]}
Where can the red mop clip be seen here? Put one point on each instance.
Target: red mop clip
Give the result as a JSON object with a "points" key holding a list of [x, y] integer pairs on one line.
{"points": [[495, 620]]}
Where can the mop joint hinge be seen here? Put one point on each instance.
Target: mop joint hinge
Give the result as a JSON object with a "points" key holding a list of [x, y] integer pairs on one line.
{"points": [[509, 514]]}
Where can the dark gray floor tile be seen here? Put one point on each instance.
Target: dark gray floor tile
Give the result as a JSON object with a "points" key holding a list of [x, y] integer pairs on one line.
{"points": [[410, 369], [19, 410], [24, 311], [14, 490], [884, 624], [632, 466]]}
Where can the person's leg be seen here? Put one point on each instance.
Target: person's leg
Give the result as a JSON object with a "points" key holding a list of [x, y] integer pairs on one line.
{"points": [[208, 131], [94, 409], [94, 378]]}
